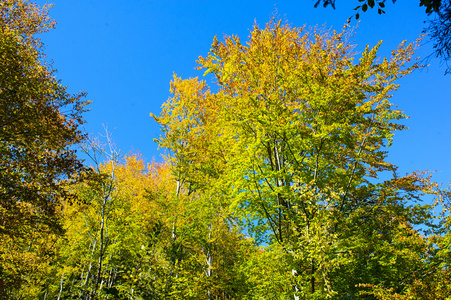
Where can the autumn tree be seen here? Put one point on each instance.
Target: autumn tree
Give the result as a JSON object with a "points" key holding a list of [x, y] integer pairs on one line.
{"points": [[293, 142], [190, 122], [39, 124], [130, 236]]}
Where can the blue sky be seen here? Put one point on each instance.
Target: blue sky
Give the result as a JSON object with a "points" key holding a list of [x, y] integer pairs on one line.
{"points": [[124, 53]]}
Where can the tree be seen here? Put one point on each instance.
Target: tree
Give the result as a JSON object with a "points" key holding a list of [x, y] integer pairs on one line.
{"points": [[439, 26], [293, 141], [190, 122], [39, 124], [130, 236]]}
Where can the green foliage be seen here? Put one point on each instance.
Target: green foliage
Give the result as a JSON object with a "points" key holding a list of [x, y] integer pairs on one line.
{"points": [[293, 142], [270, 190]]}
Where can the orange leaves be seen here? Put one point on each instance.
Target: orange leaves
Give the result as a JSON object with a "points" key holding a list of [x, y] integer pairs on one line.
{"points": [[419, 182]]}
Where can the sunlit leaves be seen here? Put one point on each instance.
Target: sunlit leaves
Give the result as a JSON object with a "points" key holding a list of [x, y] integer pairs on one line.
{"points": [[39, 124], [301, 129]]}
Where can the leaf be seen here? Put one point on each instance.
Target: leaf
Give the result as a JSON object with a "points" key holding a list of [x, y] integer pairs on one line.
{"points": [[285, 150], [37, 157], [208, 71]]}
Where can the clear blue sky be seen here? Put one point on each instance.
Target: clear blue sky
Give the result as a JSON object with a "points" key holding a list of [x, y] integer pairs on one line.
{"points": [[123, 54]]}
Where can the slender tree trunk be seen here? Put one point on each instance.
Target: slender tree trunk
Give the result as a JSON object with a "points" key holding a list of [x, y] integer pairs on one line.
{"points": [[312, 279], [294, 273], [174, 238], [85, 282], [102, 245], [209, 260], [61, 287]]}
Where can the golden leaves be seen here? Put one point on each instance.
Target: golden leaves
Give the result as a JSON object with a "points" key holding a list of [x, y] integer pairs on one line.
{"points": [[292, 136]]}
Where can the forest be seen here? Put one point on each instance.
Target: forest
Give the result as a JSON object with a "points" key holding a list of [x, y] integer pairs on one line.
{"points": [[275, 183]]}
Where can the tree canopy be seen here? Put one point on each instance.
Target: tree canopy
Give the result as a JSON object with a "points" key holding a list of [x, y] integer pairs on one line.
{"points": [[276, 183], [292, 143], [39, 124]]}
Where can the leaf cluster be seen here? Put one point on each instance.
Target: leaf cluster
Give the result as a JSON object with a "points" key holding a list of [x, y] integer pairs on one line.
{"points": [[39, 125]]}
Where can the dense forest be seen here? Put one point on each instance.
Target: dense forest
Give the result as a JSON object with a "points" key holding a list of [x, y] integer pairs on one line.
{"points": [[275, 185]]}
